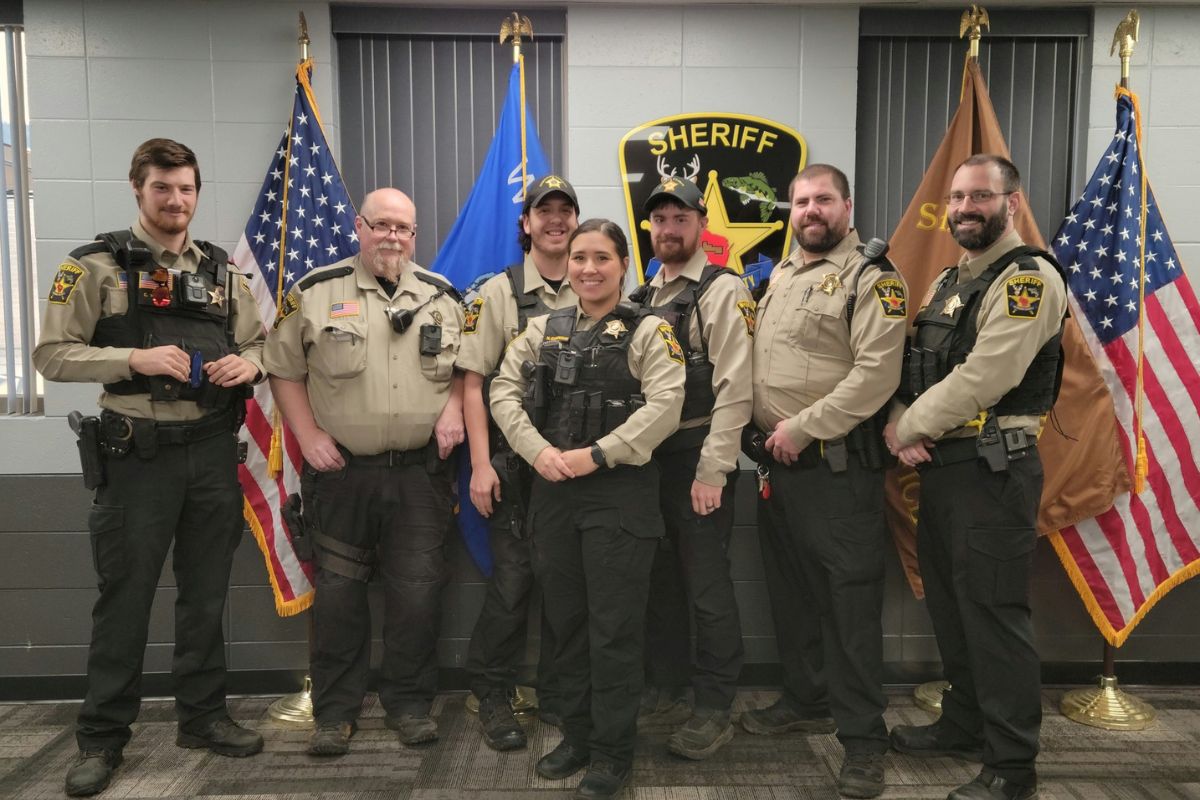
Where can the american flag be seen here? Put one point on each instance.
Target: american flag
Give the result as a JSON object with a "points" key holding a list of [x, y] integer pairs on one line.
{"points": [[303, 219], [1123, 561]]}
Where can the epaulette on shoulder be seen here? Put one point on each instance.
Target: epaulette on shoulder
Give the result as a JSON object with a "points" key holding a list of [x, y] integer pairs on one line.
{"points": [[316, 277], [89, 249], [440, 282]]}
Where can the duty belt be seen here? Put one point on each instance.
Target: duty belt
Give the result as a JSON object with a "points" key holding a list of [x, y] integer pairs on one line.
{"points": [[389, 458], [683, 439], [170, 432], [956, 451]]}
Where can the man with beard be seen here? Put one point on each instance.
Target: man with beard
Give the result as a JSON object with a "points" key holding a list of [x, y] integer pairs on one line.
{"points": [[362, 365], [499, 314], [171, 330], [827, 356], [712, 315], [980, 376]]}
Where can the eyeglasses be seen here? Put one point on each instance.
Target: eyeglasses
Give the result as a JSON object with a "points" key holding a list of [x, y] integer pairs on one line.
{"points": [[978, 197], [402, 231], [160, 295]]}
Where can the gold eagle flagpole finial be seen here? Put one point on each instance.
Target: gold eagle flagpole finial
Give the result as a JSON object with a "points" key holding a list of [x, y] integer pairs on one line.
{"points": [[973, 21], [514, 27], [303, 41], [1123, 38]]}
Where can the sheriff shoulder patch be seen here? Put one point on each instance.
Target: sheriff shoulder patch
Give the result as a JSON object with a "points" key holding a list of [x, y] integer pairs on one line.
{"points": [[65, 281], [747, 309], [1024, 293], [667, 334], [890, 292], [471, 321], [290, 306]]}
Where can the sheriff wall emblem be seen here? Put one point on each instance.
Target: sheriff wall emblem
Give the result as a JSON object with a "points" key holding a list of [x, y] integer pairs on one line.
{"points": [[743, 166]]}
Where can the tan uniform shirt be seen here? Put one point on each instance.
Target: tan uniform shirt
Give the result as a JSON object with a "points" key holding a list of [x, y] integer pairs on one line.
{"points": [[369, 387], [64, 352], [1003, 351], [727, 312], [492, 319], [654, 359], [811, 368]]}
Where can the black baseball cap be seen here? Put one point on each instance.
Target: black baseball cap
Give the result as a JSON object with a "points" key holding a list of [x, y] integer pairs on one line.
{"points": [[546, 186], [681, 190]]}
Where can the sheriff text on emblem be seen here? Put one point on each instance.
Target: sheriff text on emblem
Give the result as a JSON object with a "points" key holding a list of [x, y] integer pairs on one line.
{"points": [[742, 166]]}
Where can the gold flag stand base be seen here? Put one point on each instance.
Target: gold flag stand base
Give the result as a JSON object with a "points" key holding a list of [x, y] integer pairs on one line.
{"points": [[929, 696], [524, 702], [1106, 706], [296, 707]]}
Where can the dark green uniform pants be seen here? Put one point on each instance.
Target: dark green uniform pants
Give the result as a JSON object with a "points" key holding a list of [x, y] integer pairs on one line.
{"points": [[975, 542], [593, 543], [691, 578], [187, 494], [836, 537]]}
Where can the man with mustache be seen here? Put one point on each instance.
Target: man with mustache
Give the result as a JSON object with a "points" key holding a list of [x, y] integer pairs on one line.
{"points": [[982, 373], [712, 315], [827, 358], [171, 330], [499, 314], [362, 365]]}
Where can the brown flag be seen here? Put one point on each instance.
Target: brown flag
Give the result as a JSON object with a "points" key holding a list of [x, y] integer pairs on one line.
{"points": [[1083, 472]]}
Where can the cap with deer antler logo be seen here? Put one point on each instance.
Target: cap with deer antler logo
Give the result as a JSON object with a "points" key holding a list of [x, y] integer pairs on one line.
{"points": [[679, 190]]}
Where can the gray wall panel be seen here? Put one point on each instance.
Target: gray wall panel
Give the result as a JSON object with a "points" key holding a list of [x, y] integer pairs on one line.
{"points": [[909, 90], [421, 88]]}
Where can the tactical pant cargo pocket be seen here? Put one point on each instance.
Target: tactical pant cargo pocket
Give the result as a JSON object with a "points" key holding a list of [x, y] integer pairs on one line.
{"points": [[998, 563], [857, 545], [106, 525]]}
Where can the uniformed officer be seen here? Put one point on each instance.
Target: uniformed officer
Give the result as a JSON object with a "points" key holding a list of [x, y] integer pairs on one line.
{"points": [[503, 308], [981, 373], [171, 330], [585, 395], [362, 365], [712, 315], [827, 356]]}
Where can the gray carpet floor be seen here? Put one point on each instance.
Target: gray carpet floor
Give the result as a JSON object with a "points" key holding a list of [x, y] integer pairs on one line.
{"points": [[1082, 763]]}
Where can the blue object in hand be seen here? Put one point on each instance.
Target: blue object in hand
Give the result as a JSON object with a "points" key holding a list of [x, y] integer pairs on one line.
{"points": [[197, 365]]}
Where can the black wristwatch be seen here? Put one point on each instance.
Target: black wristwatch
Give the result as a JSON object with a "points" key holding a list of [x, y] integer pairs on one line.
{"points": [[598, 456]]}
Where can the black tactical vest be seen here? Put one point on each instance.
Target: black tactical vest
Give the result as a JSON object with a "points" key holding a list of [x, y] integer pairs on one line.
{"points": [[698, 397], [528, 305], [590, 387], [946, 330], [194, 316]]}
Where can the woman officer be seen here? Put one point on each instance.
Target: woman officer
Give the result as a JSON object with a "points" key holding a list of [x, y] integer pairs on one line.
{"points": [[585, 395]]}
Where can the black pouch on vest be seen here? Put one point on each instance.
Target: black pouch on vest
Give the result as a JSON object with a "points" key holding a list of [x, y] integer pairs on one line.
{"points": [[566, 373]]}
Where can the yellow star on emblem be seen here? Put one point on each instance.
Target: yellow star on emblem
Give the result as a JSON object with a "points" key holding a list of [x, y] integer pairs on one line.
{"points": [[553, 181], [742, 236], [952, 305], [217, 296], [671, 184], [830, 283]]}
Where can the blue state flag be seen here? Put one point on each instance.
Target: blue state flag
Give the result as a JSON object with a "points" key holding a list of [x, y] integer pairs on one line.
{"points": [[484, 237], [484, 241]]}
